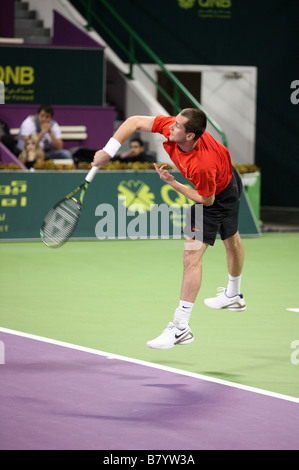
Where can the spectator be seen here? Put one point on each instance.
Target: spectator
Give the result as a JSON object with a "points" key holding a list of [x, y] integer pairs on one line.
{"points": [[6, 138], [32, 152], [136, 153], [48, 132]]}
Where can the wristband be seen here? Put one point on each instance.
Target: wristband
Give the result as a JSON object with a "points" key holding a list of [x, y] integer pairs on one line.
{"points": [[112, 147]]}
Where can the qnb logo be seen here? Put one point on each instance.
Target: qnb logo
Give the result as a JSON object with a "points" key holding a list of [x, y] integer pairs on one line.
{"points": [[186, 4], [2, 353], [136, 194], [295, 94], [19, 75], [2, 93], [215, 3]]}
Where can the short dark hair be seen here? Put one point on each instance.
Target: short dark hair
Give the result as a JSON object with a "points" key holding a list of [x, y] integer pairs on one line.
{"points": [[137, 139], [47, 108], [197, 121]]}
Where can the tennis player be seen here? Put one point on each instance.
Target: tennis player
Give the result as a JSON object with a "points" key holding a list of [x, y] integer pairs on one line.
{"points": [[217, 186]]}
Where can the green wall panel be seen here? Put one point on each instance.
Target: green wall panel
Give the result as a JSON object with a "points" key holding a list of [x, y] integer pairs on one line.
{"points": [[116, 205]]}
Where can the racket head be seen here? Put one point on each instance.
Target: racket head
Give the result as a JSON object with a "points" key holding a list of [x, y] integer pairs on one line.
{"points": [[60, 222]]}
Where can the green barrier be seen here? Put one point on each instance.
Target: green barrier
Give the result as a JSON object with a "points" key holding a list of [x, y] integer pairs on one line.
{"points": [[252, 184], [117, 205]]}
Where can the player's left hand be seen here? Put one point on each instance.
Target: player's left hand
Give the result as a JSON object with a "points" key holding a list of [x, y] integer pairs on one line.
{"points": [[164, 174]]}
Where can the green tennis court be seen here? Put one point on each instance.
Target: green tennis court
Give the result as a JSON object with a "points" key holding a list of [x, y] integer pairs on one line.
{"points": [[116, 295]]}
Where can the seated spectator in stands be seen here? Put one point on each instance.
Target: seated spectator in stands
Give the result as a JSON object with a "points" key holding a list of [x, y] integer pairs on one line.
{"points": [[48, 132], [136, 153], [32, 152], [6, 138]]}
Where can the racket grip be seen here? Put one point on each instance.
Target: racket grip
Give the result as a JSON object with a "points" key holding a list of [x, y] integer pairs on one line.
{"points": [[91, 174]]}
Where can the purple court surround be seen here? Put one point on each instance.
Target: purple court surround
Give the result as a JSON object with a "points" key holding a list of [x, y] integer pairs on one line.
{"points": [[58, 398]]}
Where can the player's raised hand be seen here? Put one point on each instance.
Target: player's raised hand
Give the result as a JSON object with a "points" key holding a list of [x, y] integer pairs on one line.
{"points": [[164, 174]]}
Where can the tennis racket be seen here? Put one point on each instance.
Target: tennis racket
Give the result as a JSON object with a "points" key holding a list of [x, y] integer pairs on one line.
{"points": [[62, 219]]}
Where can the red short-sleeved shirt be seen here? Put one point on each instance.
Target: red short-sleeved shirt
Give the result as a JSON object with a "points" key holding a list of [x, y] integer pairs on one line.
{"points": [[208, 166]]}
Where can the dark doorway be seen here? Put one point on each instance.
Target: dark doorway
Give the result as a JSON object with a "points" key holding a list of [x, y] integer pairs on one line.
{"points": [[191, 80]]}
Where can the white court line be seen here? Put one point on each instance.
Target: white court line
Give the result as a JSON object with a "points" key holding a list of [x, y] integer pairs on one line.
{"points": [[150, 364]]}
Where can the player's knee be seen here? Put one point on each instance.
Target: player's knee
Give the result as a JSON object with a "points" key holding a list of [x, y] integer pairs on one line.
{"points": [[191, 244], [234, 242], [193, 251]]}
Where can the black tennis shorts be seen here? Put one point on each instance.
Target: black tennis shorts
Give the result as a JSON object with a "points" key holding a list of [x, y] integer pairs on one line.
{"points": [[222, 217]]}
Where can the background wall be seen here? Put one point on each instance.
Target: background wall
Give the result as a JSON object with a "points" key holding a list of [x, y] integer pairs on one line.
{"points": [[256, 36], [227, 92]]}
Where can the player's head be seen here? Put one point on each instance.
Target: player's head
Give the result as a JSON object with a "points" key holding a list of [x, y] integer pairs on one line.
{"points": [[189, 125], [195, 121]]}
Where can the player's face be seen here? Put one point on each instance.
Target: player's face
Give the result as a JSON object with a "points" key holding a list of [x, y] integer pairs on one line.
{"points": [[177, 130]]}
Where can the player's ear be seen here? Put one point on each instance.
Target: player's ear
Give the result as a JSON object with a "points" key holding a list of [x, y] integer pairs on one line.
{"points": [[190, 136]]}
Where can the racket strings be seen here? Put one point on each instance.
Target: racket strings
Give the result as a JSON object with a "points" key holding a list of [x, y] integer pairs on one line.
{"points": [[60, 222]]}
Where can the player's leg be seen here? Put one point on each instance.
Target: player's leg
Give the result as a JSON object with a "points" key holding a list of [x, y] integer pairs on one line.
{"points": [[235, 257], [191, 283], [178, 331], [192, 275], [231, 297]]}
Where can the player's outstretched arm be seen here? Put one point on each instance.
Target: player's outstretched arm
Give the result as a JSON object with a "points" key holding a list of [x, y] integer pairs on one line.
{"points": [[127, 128]]}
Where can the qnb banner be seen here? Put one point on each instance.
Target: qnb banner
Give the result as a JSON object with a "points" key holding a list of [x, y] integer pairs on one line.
{"points": [[51, 75], [2, 93], [208, 9], [19, 81], [117, 205]]}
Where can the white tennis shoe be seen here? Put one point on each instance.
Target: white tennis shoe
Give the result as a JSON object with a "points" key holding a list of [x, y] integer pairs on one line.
{"points": [[172, 336], [222, 301]]}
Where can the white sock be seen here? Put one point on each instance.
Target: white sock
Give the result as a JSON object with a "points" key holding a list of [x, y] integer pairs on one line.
{"points": [[234, 286], [182, 314]]}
